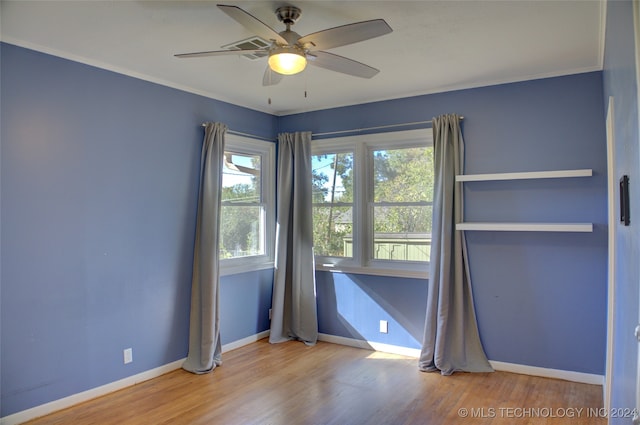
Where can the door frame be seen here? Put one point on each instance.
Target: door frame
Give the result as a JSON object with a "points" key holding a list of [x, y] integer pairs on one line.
{"points": [[611, 256]]}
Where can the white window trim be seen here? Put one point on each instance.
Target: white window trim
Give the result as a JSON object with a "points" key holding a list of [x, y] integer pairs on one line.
{"points": [[245, 145], [362, 145]]}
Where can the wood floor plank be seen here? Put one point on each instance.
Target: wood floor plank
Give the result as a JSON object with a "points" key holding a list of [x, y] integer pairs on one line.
{"points": [[291, 383]]}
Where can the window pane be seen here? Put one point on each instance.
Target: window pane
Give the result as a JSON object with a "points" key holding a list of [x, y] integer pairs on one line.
{"points": [[241, 227], [403, 175], [332, 177], [332, 184], [333, 231], [241, 178], [241, 231], [402, 233]]}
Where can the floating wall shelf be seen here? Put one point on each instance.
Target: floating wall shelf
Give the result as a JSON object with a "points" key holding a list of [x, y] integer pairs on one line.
{"points": [[525, 227], [525, 175]]}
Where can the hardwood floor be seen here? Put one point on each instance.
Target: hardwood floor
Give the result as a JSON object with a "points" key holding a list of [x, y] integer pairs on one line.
{"points": [[291, 383]]}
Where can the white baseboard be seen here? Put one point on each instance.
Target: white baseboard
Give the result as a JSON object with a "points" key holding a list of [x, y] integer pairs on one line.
{"points": [[567, 375], [244, 341], [370, 345], [63, 403]]}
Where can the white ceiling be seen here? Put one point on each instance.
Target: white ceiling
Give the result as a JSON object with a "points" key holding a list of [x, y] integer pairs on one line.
{"points": [[435, 46]]}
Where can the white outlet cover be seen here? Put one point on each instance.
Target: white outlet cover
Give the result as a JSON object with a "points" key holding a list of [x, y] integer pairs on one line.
{"points": [[128, 355], [384, 326]]}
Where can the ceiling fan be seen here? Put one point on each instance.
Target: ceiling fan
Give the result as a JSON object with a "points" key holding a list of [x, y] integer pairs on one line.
{"points": [[289, 53]]}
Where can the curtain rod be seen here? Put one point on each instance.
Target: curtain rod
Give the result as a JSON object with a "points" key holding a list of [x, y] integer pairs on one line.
{"points": [[380, 127], [239, 133], [331, 133]]}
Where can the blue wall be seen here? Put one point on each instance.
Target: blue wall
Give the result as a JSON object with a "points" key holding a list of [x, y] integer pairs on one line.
{"points": [[99, 179], [540, 297], [620, 82], [352, 305]]}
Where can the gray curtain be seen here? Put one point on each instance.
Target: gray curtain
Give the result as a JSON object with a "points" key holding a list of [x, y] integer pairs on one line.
{"points": [[451, 340], [293, 307], [204, 332]]}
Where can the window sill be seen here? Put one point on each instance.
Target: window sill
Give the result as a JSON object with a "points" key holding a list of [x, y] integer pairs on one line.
{"points": [[376, 271], [244, 267]]}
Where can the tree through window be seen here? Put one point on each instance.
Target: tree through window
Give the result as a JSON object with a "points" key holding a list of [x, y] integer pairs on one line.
{"points": [[332, 203], [402, 192]]}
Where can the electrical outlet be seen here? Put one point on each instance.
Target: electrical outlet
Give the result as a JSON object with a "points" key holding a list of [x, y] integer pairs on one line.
{"points": [[128, 355], [269, 314], [384, 326]]}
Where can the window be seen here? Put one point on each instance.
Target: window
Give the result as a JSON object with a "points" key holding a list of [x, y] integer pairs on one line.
{"points": [[372, 200], [247, 214]]}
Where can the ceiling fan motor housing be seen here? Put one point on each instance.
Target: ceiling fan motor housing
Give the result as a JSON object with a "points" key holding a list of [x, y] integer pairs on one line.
{"points": [[288, 14]]}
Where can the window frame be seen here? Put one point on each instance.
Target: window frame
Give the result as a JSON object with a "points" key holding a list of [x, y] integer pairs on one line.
{"points": [[266, 150], [362, 146]]}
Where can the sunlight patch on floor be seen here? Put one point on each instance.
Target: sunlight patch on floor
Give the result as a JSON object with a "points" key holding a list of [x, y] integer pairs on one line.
{"points": [[378, 355]]}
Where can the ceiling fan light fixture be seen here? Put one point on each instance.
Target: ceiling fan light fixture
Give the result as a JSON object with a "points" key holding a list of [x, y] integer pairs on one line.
{"points": [[287, 60]]}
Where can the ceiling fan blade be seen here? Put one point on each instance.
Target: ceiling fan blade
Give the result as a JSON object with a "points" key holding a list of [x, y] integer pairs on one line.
{"points": [[270, 77], [253, 24], [341, 64], [221, 53], [346, 34]]}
